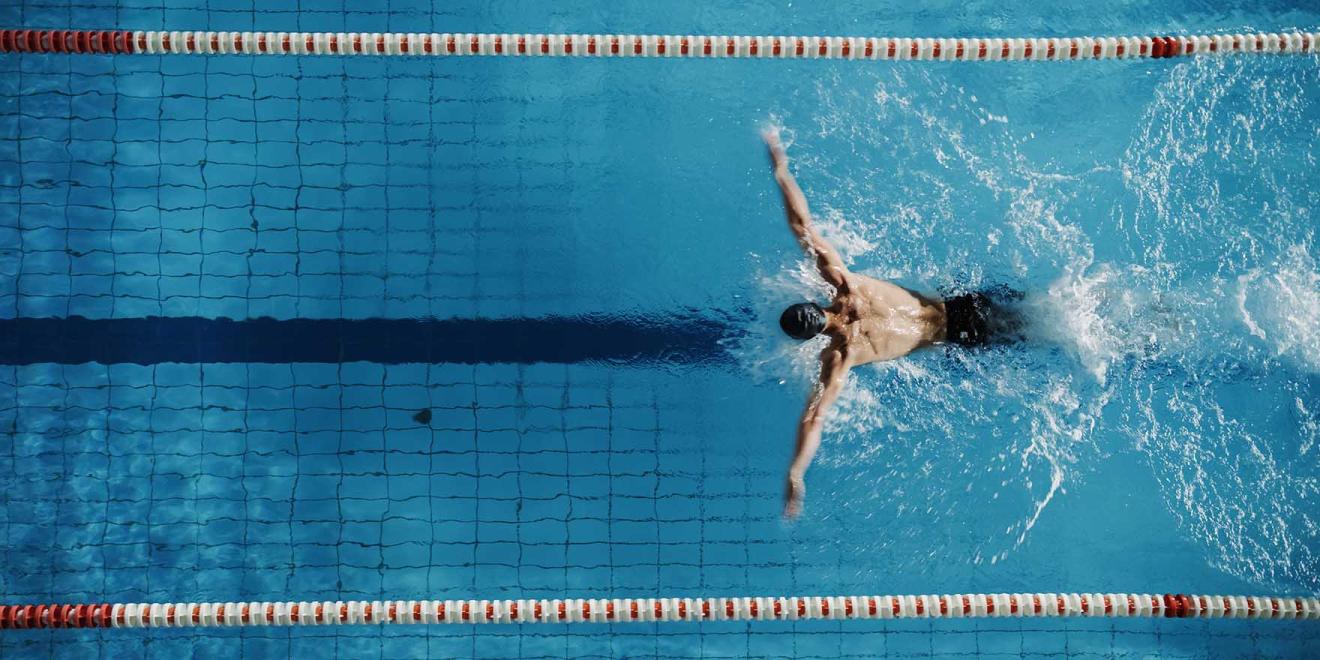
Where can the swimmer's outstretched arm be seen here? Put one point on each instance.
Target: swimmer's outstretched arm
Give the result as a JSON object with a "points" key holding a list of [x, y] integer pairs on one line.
{"points": [[833, 372], [828, 261]]}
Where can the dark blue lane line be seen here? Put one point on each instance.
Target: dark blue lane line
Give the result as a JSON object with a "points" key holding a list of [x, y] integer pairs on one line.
{"points": [[155, 340]]}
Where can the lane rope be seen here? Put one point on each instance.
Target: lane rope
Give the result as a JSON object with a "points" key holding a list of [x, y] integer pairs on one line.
{"points": [[413, 44], [624, 610]]}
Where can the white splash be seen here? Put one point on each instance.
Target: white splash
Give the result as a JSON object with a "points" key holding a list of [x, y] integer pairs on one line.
{"points": [[1282, 307], [1232, 448]]}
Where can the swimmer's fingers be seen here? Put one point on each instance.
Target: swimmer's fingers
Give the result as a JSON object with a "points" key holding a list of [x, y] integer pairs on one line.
{"points": [[777, 155], [794, 492]]}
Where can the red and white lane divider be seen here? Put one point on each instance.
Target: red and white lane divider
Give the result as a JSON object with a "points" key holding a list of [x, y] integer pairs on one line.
{"points": [[114, 42], [623, 610]]}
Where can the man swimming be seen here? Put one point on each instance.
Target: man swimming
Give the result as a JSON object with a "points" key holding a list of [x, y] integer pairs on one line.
{"points": [[868, 320]]}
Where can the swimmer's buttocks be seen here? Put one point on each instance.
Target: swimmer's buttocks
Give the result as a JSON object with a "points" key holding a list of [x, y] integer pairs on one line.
{"points": [[978, 319], [967, 319]]}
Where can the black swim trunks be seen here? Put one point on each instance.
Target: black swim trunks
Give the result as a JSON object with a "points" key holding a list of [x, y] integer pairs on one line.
{"points": [[977, 319]]}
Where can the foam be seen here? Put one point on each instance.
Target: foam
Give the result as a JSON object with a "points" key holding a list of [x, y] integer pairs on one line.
{"points": [[1230, 449], [1282, 307]]}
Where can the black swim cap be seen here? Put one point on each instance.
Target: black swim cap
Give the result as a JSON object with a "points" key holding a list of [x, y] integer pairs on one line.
{"points": [[803, 320]]}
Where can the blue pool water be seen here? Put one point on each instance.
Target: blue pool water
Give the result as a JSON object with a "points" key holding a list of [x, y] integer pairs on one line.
{"points": [[618, 422]]}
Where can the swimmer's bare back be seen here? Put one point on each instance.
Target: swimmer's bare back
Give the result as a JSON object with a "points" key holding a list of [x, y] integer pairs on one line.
{"points": [[868, 320]]}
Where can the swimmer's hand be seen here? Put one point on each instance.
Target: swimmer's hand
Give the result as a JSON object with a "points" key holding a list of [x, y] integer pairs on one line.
{"points": [[795, 490], [778, 157]]}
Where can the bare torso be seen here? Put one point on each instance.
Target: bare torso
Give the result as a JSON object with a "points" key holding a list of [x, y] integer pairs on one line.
{"points": [[881, 321]]}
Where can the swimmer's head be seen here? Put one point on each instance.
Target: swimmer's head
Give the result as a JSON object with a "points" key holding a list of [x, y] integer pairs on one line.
{"points": [[803, 320]]}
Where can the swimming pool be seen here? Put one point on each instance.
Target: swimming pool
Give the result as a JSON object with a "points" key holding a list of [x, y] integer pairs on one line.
{"points": [[1157, 435]]}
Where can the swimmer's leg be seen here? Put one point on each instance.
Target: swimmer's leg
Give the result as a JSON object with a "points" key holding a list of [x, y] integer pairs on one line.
{"points": [[1005, 315]]}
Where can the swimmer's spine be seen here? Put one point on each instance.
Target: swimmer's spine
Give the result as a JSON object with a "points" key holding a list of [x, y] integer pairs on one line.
{"points": [[412, 44], [625, 610]]}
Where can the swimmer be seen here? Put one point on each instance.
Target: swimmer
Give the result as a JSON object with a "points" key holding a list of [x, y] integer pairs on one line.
{"points": [[868, 320]]}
